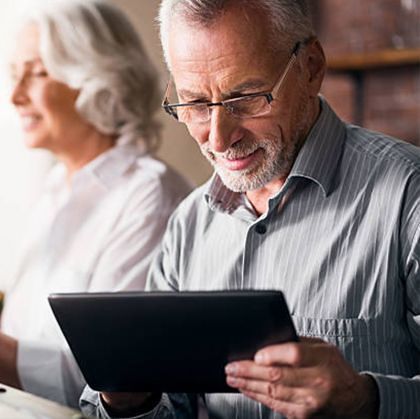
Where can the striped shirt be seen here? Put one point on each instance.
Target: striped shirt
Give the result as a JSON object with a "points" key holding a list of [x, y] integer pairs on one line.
{"points": [[341, 239]]}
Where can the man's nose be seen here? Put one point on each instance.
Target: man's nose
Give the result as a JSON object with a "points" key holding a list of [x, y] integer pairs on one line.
{"points": [[224, 130]]}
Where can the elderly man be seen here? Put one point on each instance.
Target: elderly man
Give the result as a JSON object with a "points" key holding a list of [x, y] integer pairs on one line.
{"points": [[300, 201]]}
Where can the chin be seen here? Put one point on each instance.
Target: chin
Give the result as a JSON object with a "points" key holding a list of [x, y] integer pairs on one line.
{"points": [[33, 144], [35, 141]]}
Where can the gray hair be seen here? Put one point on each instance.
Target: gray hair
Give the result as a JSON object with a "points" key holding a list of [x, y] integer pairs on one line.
{"points": [[289, 20], [91, 46]]}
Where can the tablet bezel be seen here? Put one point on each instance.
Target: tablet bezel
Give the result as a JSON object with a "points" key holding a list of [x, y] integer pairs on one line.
{"points": [[168, 341]]}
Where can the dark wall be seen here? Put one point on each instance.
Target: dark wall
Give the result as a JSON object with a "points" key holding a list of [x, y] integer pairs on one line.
{"points": [[385, 97]]}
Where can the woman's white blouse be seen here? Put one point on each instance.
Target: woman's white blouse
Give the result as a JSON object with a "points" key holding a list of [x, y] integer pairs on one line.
{"points": [[99, 233]]}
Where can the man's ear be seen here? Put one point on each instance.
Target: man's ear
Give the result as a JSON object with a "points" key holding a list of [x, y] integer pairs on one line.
{"points": [[314, 66]]}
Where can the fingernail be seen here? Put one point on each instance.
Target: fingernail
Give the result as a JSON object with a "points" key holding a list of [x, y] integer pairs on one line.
{"points": [[232, 381], [231, 369], [260, 358]]}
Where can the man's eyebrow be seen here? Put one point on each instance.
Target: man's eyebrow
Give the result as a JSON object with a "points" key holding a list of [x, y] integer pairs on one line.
{"points": [[247, 85], [189, 94], [254, 84]]}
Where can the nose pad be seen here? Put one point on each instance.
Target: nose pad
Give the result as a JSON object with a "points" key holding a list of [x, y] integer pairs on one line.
{"points": [[224, 130]]}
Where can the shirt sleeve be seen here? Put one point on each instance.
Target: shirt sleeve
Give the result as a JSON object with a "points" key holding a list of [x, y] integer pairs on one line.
{"points": [[164, 271], [50, 372], [171, 406], [124, 263], [399, 396], [162, 276]]}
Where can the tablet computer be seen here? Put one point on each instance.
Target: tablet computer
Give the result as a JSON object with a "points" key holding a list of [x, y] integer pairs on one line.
{"points": [[168, 341]]}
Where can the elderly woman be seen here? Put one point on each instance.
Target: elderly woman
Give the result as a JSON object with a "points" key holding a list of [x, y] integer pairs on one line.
{"points": [[85, 90]]}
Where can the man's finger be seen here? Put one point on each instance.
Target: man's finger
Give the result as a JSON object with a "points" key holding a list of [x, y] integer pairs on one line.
{"points": [[273, 390], [287, 376], [287, 409], [294, 354]]}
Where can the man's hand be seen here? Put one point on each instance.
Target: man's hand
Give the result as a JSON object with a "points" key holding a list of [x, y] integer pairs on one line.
{"points": [[129, 404], [303, 379]]}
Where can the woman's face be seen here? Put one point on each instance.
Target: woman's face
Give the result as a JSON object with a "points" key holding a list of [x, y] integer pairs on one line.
{"points": [[46, 106]]}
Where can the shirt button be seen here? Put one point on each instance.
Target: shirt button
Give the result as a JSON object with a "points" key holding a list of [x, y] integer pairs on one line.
{"points": [[261, 228]]}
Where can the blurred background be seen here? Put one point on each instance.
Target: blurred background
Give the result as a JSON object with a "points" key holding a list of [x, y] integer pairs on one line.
{"points": [[373, 51]]}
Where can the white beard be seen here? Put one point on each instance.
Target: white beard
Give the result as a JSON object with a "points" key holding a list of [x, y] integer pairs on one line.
{"points": [[275, 162], [277, 158]]}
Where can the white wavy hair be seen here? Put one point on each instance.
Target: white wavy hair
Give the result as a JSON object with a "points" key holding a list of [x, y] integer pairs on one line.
{"points": [[91, 46], [289, 20]]}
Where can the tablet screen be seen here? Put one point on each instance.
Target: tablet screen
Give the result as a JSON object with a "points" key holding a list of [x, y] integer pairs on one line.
{"points": [[168, 341]]}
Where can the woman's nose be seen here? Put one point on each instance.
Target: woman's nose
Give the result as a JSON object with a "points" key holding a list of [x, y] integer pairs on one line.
{"points": [[19, 95]]}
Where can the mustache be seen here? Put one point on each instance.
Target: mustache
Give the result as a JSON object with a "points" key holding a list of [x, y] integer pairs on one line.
{"points": [[238, 150]]}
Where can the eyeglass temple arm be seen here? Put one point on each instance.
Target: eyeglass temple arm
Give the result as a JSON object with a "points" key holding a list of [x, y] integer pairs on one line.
{"points": [[165, 102], [292, 60], [273, 93]]}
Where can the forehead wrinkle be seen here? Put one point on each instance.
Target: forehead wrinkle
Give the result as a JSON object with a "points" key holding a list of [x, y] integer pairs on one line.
{"points": [[212, 64], [185, 93], [228, 85], [201, 83], [248, 85]]}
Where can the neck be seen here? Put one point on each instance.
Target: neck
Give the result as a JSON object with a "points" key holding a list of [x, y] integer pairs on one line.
{"points": [[259, 197], [83, 152]]}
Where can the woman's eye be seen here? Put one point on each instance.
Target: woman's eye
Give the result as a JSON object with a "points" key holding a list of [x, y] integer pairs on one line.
{"points": [[39, 73]]}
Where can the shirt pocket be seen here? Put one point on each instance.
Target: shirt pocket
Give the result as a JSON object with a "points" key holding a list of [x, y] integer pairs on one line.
{"points": [[367, 344], [357, 339], [333, 330]]}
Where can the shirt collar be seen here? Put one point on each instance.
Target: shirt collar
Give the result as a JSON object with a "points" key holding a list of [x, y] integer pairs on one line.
{"points": [[109, 166], [321, 152], [220, 198], [317, 161], [103, 171]]}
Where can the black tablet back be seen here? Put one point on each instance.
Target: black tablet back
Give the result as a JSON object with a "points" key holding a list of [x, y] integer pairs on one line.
{"points": [[171, 342]]}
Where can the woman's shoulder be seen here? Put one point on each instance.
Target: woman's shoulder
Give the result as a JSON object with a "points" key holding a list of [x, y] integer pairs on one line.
{"points": [[153, 170], [156, 183]]}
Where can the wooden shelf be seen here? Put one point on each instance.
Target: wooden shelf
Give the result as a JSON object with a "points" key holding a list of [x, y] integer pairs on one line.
{"points": [[378, 59]]}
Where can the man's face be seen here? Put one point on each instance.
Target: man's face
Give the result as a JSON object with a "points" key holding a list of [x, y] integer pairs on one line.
{"points": [[227, 60]]}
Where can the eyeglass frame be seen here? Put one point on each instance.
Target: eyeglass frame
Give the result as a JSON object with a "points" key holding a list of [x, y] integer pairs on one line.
{"points": [[269, 95]]}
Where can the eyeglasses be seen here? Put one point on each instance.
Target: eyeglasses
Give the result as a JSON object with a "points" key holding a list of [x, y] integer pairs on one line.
{"points": [[242, 107]]}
